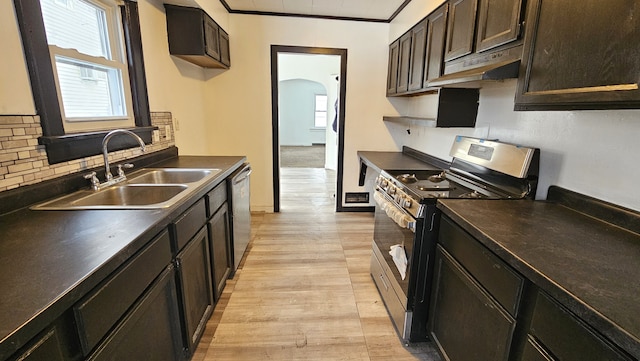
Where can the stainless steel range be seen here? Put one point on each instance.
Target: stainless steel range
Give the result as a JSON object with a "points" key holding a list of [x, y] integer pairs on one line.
{"points": [[407, 220]]}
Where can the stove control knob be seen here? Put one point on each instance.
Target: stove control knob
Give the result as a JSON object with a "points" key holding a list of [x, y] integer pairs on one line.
{"points": [[406, 202], [392, 189]]}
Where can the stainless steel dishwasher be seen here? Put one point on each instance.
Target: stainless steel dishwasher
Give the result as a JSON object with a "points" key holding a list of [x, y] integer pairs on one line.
{"points": [[238, 185]]}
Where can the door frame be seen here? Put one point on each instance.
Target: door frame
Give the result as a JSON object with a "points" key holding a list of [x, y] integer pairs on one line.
{"points": [[275, 129]]}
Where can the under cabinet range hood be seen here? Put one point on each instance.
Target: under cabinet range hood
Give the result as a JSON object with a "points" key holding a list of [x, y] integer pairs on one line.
{"points": [[495, 64], [495, 71]]}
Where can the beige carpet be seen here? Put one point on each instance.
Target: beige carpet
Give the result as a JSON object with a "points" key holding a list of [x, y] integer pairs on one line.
{"points": [[302, 156]]}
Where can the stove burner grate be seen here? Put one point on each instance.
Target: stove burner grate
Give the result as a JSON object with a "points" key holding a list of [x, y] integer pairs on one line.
{"points": [[407, 178], [436, 178]]}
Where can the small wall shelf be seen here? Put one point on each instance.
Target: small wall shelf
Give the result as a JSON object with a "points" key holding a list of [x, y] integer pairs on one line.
{"points": [[426, 122], [457, 107]]}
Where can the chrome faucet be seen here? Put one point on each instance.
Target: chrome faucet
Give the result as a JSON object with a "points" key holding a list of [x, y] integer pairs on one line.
{"points": [[105, 152], [110, 180]]}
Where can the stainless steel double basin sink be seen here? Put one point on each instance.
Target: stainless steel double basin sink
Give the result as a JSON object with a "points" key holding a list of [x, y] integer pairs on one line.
{"points": [[147, 188]]}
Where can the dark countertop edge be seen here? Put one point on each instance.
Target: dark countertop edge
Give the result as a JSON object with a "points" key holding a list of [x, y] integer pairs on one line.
{"points": [[408, 159], [12, 342], [593, 317]]}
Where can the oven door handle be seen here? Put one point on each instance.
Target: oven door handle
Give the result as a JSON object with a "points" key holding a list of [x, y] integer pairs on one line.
{"points": [[397, 214]]}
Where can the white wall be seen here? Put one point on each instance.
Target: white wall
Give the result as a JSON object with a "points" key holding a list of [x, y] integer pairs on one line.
{"points": [[15, 91], [173, 84], [240, 98], [591, 152], [296, 112]]}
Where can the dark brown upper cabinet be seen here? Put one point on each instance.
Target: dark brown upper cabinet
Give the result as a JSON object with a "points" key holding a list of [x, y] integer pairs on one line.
{"points": [[225, 55], [436, 32], [418, 55], [195, 37], [498, 23], [404, 62], [418, 46], [580, 55], [392, 75], [461, 28], [484, 41]]}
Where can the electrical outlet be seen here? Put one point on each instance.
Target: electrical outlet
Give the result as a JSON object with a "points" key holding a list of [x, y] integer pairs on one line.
{"points": [[176, 122], [156, 135], [167, 131]]}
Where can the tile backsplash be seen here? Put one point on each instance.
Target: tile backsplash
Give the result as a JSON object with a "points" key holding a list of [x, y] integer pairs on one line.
{"points": [[24, 162]]}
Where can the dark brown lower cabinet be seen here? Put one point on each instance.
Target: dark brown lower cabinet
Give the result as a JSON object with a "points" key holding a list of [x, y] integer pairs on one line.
{"points": [[58, 342], [534, 352], [466, 323], [220, 237], [556, 332], [151, 330], [194, 274]]}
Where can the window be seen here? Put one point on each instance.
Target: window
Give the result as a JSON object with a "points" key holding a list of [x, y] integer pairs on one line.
{"points": [[86, 70], [89, 64], [321, 111]]}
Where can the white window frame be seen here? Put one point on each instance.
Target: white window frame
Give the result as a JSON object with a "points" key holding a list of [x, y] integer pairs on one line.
{"points": [[118, 61], [316, 111]]}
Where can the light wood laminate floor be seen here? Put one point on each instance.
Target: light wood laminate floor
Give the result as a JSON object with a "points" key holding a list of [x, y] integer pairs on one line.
{"points": [[303, 291]]}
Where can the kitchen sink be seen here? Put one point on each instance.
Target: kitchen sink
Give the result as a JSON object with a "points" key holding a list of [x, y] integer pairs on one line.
{"points": [[170, 175], [148, 188], [131, 196]]}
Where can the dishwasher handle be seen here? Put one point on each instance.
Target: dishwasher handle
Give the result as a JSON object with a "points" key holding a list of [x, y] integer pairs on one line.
{"points": [[242, 175]]}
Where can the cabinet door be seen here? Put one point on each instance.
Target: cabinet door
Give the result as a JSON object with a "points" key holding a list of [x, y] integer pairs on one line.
{"points": [[466, 323], [220, 241], [392, 75], [437, 28], [580, 55], [403, 62], [533, 352], [151, 331], [461, 28], [211, 37], [98, 311], [194, 270], [566, 337], [418, 46], [225, 54], [498, 23]]}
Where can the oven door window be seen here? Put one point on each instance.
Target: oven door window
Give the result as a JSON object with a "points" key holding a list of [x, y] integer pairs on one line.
{"points": [[386, 234]]}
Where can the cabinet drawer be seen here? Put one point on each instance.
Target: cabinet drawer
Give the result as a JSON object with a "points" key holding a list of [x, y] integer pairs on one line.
{"points": [[151, 331], [566, 337], [189, 223], [97, 312], [58, 342], [216, 198], [503, 283]]}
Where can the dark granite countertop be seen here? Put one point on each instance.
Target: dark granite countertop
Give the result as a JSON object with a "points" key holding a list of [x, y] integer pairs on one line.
{"points": [[400, 161], [50, 259], [590, 266]]}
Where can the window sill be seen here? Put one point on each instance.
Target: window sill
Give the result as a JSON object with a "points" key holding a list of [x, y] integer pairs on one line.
{"points": [[73, 146]]}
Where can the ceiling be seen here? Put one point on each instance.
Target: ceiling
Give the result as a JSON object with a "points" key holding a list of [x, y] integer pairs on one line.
{"points": [[360, 10]]}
